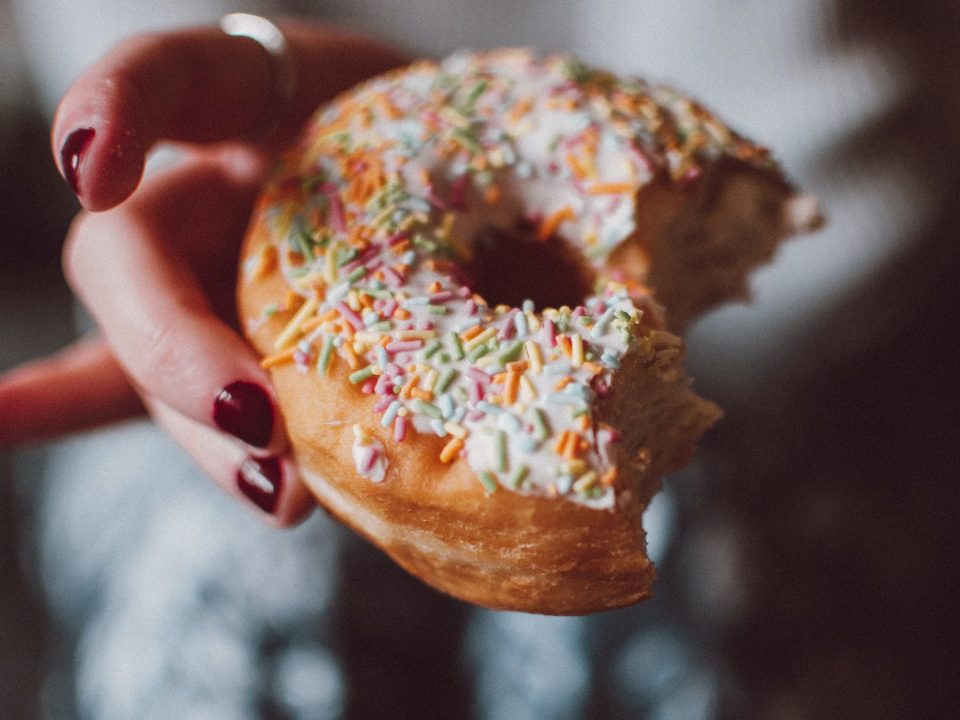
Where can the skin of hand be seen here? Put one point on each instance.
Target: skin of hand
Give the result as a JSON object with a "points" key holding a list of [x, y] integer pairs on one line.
{"points": [[154, 259]]}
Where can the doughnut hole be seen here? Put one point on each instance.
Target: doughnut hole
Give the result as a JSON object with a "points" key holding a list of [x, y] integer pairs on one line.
{"points": [[510, 266]]}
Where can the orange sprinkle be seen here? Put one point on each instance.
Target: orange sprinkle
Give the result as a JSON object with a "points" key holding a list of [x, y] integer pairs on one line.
{"points": [[511, 388], [435, 287], [564, 344], [609, 477], [492, 195], [549, 226], [518, 366], [451, 449], [352, 360], [561, 442], [592, 367], [409, 387], [563, 382], [401, 314], [421, 393], [471, 333], [577, 167], [278, 359], [311, 324], [610, 188], [584, 422]]}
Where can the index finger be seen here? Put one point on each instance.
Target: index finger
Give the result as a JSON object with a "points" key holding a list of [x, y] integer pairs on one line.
{"points": [[195, 85]]}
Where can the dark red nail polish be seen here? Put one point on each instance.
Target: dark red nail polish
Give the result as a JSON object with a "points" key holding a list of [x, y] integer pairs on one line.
{"points": [[261, 480], [244, 410], [71, 155]]}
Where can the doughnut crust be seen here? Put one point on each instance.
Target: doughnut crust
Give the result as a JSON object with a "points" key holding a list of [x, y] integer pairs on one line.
{"points": [[502, 454]]}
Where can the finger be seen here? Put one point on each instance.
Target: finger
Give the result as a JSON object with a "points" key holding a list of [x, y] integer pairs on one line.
{"points": [[197, 85], [78, 388], [270, 483], [154, 313]]}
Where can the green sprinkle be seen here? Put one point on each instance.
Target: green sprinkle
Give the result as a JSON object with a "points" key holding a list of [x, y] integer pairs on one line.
{"points": [[431, 349], [346, 255], [382, 326], [488, 480], [518, 476], [456, 346], [356, 274], [500, 446], [466, 139], [425, 408], [362, 374], [475, 92], [511, 352], [326, 353], [541, 430], [446, 377], [478, 352], [437, 309]]}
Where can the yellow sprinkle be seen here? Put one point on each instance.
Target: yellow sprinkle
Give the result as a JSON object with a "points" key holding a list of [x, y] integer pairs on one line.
{"points": [[527, 390], [416, 334], [450, 450], [455, 429], [367, 338], [585, 481], [330, 264], [534, 355], [431, 379], [577, 351], [479, 339], [292, 330]]}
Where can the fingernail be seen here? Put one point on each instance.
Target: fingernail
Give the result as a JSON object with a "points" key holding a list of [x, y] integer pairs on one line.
{"points": [[71, 156], [244, 410], [261, 480]]}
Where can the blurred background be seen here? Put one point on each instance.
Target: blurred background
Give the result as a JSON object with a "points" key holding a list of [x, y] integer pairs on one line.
{"points": [[808, 558]]}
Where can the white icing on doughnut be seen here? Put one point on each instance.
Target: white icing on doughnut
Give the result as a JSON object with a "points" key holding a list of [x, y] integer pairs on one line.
{"points": [[382, 199]]}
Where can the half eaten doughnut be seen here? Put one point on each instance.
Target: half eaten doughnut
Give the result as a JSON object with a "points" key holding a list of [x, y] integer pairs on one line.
{"points": [[464, 279]]}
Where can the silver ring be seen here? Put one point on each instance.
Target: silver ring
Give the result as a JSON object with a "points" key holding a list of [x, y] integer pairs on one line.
{"points": [[271, 39]]}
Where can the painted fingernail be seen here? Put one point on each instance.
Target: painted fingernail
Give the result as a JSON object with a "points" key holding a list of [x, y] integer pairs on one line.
{"points": [[244, 410], [71, 156], [261, 480]]}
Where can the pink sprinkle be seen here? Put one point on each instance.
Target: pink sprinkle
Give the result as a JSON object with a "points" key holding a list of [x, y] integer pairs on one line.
{"points": [[435, 199], [464, 291], [383, 403], [549, 333], [506, 332], [476, 392], [458, 193], [338, 219], [393, 369], [350, 315], [601, 307], [471, 307], [389, 307], [328, 188], [368, 459], [578, 311], [360, 259], [400, 428], [479, 375], [404, 345], [442, 296], [475, 415], [367, 388], [396, 239]]}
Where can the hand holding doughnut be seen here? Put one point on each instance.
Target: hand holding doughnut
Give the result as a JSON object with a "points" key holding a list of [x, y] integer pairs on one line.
{"points": [[153, 260]]}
